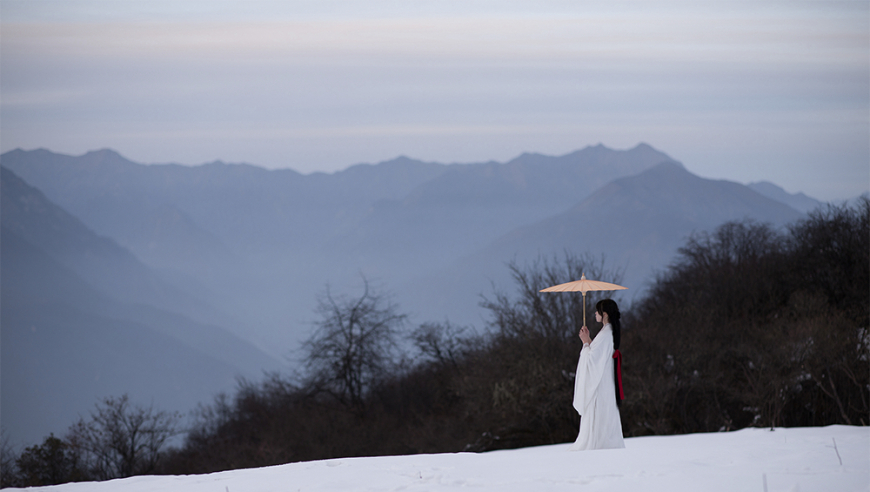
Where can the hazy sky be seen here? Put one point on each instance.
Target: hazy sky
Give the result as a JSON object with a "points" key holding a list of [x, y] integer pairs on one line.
{"points": [[746, 91]]}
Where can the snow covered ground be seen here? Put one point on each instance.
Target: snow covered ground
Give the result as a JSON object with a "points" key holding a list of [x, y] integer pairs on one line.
{"points": [[793, 460]]}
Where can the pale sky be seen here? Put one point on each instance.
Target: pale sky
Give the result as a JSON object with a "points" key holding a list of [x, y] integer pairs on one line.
{"points": [[745, 91]]}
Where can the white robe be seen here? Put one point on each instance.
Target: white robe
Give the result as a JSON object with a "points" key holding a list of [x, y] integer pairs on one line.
{"points": [[595, 396]]}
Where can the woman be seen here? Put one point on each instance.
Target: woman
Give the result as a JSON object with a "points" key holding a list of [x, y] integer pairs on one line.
{"points": [[597, 385]]}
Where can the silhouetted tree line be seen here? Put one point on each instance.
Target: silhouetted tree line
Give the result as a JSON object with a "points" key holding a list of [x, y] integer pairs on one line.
{"points": [[750, 326]]}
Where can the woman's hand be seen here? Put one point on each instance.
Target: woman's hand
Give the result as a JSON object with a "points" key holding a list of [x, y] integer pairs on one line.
{"points": [[584, 335]]}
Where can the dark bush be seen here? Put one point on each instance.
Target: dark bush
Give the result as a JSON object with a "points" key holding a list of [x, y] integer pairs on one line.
{"points": [[51, 463], [751, 326]]}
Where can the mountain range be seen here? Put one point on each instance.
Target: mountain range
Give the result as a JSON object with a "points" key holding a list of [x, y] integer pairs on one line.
{"points": [[217, 268]]}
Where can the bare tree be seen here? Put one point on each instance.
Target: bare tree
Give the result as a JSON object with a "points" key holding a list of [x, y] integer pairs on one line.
{"points": [[353, 345], [8, 456], [443, 343], [121, 439], [557, 317]]}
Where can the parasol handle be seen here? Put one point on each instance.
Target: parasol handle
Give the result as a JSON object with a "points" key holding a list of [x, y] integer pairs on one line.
{"points": [[584, 309]]}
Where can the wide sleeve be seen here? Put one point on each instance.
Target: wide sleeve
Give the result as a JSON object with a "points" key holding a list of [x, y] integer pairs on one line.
{"points": [[590, 368]]}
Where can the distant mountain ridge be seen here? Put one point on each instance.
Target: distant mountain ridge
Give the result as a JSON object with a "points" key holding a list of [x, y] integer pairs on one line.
{"points": [[629, 216], [238, 231], [101, 185], [467, 206], [249, 229]]}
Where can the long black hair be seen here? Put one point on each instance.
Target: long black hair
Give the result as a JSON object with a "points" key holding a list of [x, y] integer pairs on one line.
{"points": [[609, 306]]}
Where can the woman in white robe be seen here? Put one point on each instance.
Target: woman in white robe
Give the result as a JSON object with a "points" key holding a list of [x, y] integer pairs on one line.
{"points": [[595, 385]]}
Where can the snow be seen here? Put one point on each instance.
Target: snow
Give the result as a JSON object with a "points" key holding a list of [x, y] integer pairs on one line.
{"points": [[792, 459]]}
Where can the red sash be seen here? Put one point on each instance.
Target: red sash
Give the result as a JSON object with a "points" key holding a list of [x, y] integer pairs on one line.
{"points": [[618, 357]]}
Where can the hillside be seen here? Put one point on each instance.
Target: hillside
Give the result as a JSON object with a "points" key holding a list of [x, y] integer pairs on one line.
{"points": [[807, 459], [83, 319]]}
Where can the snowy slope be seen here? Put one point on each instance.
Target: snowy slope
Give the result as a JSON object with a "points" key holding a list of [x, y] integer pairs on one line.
{"points": [[797, 459]]}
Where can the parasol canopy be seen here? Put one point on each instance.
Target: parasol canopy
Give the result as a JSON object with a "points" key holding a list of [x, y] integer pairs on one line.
{"points": [[583, 285]]}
